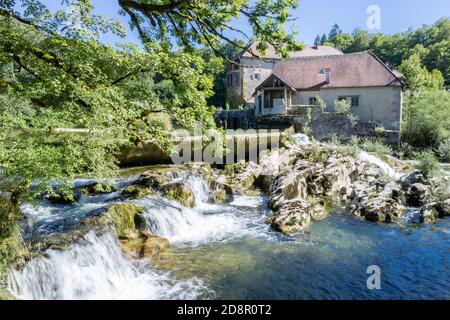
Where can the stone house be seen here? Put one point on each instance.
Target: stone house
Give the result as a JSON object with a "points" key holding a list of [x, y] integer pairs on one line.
{"points": [[276, 87]]}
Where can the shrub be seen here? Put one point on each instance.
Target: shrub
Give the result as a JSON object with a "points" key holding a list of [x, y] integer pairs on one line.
{"points": [[444, 150], [426, 120], [161, 119], [379, 131], [342, 106], [376, 146], [352, 118], [428, 163], [320, 103]]}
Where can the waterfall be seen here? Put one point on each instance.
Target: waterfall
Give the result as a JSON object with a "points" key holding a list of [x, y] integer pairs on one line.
{"points": [[200, 189], [203, 224], [386, 168], [193, 227], [95, 270]]}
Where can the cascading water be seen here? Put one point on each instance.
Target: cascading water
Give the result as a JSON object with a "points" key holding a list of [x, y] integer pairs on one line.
{"points": [[203, 224], [96, 269], [387, 169], [301, 139]]}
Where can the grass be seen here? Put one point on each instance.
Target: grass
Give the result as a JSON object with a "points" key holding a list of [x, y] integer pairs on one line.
{"points": [[376, 146], [428, 163]]}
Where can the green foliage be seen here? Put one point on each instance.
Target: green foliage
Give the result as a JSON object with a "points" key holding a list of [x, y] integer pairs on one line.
{"points": [[342, 106], [428, 163], [426, 120], [394, 49], [192, 23], [444, 150], [352, 118], [375, 146], [379, 131], [320, 103], [417, 77], [10, 237]]}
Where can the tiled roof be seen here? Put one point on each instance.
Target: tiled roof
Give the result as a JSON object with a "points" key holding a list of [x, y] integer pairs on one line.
{"points": [[306, 52], [362, 69]]}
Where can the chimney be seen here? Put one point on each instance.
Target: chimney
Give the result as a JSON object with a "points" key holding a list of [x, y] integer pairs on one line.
{"points": [[328, 75]]}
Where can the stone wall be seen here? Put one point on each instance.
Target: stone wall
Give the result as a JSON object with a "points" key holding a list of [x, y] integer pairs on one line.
{"points": [[325, 125], [321, 125]]}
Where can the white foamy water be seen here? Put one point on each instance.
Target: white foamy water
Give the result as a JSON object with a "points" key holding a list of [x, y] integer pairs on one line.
{"points": [[248, 201], [386, 168], [193, 227], [200, 189], [95, 270], [301, 139]]}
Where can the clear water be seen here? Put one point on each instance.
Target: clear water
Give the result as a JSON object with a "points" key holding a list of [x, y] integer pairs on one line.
{"points": [[228, 252]]}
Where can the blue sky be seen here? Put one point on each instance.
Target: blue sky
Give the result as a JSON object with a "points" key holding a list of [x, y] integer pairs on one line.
{"points": [[317, 16]]}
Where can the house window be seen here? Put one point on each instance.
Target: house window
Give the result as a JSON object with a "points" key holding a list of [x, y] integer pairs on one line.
{"points": [[257, 76], [312, 101], [354, 100]]}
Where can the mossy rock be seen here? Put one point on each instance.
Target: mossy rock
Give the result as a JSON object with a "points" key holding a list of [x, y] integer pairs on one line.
{"points": [[126, 218], [98, 188], [153, 180], [180, 192], [141, 244], [137, 192], [5, 295]]}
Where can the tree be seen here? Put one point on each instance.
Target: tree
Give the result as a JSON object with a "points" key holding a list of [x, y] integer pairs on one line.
{"points": [[425, 118], [417, 77], [323, 39], [317, 41], [205, 22], [58, 77], [335, 30]]}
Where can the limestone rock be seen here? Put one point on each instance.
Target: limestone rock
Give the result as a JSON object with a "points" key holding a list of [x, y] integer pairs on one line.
{"points": [[97, 188], [295, 216], [417, 194], [181, 192], [141, 244], [137, 192], [126, 218]]}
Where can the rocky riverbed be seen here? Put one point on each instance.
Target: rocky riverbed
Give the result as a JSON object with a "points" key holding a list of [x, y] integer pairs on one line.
{"points": [[174, 231]]}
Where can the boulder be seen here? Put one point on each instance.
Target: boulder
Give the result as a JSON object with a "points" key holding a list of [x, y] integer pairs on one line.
{"points": [[288, 186], [428, 214], [241, 176], [97, 188], [141, 244], [154, 245], [295, 216], [413, 178], [126, 218], [181, 192], [137, 192], [153, 179], [417, 194], [443, 208]]}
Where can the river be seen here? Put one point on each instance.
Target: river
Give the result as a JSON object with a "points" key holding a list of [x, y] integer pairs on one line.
{"points": [[228, 252]]}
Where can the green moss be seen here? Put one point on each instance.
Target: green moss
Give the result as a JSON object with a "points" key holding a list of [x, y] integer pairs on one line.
{"points": [[137, 192], [126, 217], [181, 193]]}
